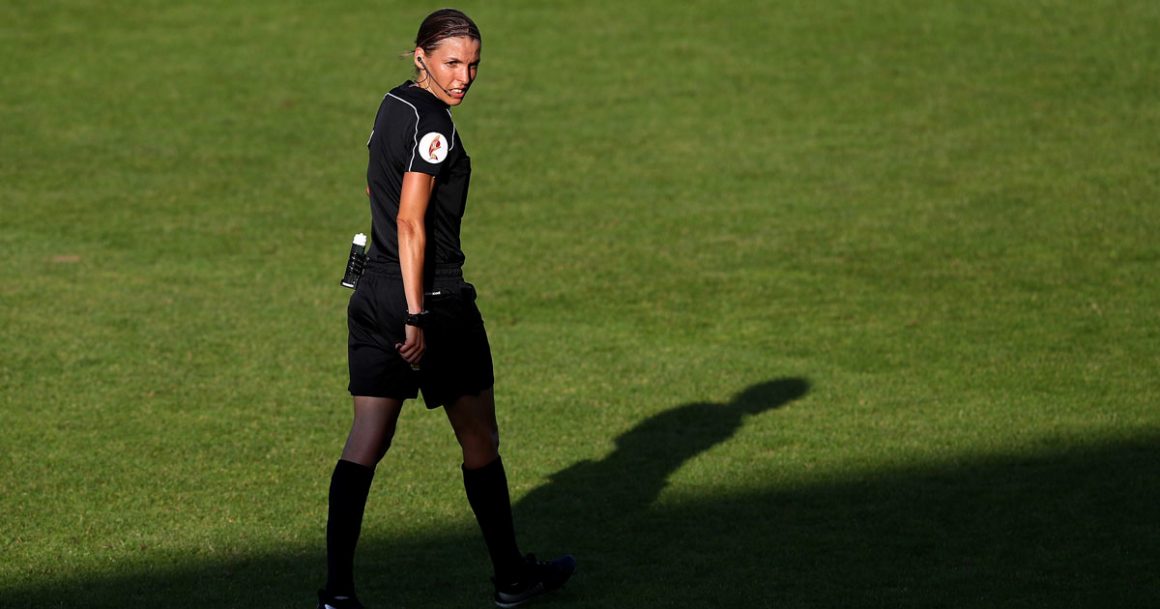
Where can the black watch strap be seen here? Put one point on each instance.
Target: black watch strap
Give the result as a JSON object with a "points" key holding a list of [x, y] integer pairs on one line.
{"points": [[418, 320]]}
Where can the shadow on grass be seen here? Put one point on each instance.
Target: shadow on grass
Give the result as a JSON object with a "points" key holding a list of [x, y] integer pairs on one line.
{"points": [[1076, 528]]}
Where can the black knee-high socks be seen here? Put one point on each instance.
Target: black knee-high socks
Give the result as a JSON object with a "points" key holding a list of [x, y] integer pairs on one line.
{"points": [[487, 492], [349, 486]]}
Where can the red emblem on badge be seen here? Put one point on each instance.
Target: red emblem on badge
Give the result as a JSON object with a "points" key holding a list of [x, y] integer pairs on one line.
{"points": [[436, 151]]}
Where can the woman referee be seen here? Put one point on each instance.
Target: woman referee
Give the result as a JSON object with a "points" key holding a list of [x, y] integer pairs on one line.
{"points": [[413, 323]]}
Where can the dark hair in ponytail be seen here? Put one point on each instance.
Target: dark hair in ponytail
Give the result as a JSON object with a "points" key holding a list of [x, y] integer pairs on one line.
{"points": [[444, 23]]}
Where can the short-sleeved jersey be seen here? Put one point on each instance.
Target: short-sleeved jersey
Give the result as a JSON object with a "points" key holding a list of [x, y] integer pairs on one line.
{"points": [[414, 132]]}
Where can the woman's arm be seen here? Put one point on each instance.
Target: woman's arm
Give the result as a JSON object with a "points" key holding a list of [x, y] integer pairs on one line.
{"points": [[413, 201]]}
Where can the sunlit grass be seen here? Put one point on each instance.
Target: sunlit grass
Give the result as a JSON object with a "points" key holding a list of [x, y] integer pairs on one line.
{"points": [[940, 216]]}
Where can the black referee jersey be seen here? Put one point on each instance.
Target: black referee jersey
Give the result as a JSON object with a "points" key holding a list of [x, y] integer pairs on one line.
{"points": [[414, 132]]}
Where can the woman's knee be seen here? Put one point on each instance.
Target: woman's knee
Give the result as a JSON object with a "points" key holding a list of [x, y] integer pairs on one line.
{"points": [[479, 455], [365, 449], [479, 439], [372, 431], [473, 418]]}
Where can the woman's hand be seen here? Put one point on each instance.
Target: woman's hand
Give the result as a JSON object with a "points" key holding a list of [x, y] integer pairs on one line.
{"points": [[412, 350]]}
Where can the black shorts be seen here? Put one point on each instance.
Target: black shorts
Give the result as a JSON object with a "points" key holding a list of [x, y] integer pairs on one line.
{"points": [[456, 358]]}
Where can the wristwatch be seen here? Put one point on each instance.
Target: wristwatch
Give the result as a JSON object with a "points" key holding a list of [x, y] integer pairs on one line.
{"points": [[418, 320]]}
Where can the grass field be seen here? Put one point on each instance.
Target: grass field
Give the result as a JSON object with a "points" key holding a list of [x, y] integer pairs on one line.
{"points": [[793, 304]]}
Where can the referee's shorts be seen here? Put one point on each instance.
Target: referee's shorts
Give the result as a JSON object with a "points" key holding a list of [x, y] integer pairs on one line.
{"points": [[456, 359]]}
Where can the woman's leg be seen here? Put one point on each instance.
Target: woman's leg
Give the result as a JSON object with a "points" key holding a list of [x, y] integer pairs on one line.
{"points": [[517, 579], [473, 419], [370, 437], [373, 429]]}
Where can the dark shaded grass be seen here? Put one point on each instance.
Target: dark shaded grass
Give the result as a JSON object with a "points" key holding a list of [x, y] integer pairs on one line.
{"points": [[1071, 528]]}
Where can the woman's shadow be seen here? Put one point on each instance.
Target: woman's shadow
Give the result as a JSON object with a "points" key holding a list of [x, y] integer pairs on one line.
{"points": [[600, 510]]}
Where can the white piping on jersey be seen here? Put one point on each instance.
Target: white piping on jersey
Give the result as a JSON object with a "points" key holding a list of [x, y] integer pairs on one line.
{"points": [[452, 145], [372, 135], [415, 136]]}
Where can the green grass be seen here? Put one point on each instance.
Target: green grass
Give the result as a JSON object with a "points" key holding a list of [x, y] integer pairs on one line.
{"points": [[931, 225]]}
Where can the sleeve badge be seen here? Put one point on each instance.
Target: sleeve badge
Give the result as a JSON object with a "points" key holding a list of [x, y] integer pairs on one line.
{"points": [[434, 147]]}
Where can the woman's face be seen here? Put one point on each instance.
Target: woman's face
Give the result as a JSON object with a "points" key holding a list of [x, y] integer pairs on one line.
{"points": [[452, 67]]}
